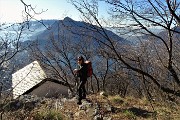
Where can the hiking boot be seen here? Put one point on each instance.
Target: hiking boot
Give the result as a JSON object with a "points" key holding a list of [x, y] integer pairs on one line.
{"points": [[79, 102], [83, 97]]}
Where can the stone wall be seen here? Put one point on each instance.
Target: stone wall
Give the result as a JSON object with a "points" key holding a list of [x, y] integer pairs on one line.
{"points": [[50, 89]]}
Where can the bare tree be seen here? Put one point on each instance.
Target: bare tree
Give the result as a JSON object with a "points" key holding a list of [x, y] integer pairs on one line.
{"points": [[60, 52], [10, 46], [151, 13], [57, 59]]}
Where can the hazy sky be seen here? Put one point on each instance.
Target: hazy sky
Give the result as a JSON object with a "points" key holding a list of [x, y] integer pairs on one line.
{"points": [[11, 10]]}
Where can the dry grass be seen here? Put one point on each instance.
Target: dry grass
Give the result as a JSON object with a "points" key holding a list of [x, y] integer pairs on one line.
{"points": [[123, 109], [140, 109]]}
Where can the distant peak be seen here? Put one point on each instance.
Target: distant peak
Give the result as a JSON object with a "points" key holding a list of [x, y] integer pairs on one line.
{"points": [[67, 19]]}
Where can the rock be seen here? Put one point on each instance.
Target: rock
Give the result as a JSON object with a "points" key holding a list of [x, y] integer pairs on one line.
{"points": [[107, 118], [73, 99], [64, 100], [108, 107], [70, 116], [96, 109], [98, 117], [80, 113], [29, 105], [59, 105], [82, 107], [103, 94], [85, 105], [90, 112], [70, 93]]}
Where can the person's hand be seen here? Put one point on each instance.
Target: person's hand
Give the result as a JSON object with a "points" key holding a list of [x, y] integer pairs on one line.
{"points": [[75, 71]]}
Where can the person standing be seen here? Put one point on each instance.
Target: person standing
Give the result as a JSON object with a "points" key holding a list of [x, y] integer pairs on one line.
{"points": [[82, 74]]}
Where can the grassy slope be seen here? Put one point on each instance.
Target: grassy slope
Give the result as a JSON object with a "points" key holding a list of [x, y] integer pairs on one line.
{"points": [[123, 109]]}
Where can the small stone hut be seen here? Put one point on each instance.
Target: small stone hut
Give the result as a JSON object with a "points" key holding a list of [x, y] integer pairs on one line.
{"points": [[33, 80]]}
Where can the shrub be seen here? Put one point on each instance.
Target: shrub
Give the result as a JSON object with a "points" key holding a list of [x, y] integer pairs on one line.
{"points": [[129, 114], [48, 115], [117, 100]]}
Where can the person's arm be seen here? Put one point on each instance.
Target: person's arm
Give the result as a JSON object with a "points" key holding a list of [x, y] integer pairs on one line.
{"points": [[83, 71]]}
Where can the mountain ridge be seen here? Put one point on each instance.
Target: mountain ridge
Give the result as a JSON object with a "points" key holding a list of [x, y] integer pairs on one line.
{"points": [[75, 31]]}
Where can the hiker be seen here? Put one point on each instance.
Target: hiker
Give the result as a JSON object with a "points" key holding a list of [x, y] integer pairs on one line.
{"points": [[82, 74]]}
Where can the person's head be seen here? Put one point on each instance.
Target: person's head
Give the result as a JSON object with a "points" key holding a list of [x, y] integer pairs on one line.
{"points": [[80, 60]]}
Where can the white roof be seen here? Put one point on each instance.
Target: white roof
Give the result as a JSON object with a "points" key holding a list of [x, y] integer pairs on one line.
{"points": [[26, 78]]}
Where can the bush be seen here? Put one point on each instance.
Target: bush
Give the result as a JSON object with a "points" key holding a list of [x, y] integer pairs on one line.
{"points": [[129, 114], [48, 115], [117, 100]]}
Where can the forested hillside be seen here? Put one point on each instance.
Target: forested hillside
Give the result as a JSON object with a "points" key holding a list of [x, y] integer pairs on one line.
{"points": [[135, 54]]}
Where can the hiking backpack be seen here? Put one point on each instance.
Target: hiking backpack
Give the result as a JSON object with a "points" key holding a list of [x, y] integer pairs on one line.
{"points": [[89, 67]]}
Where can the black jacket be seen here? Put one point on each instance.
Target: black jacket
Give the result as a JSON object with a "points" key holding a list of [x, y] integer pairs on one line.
{"points": [[82, 72]]}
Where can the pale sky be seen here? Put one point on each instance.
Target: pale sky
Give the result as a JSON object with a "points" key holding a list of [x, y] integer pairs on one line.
{"points": [[11, 10]]}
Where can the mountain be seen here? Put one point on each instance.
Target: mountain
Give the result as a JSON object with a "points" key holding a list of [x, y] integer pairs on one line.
{"points": [[31, 28], [74, 31], [176, 31]]}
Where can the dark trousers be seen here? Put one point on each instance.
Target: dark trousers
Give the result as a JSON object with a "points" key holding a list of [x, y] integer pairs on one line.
{"points": [[81, 91]]}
